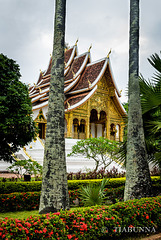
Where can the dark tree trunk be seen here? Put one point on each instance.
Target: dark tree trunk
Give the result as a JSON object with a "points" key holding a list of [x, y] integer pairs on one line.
{"points": [[138, 182], [54, 194]]}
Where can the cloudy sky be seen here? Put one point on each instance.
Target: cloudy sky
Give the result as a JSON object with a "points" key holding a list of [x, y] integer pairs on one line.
{"points": [[26, 33]]}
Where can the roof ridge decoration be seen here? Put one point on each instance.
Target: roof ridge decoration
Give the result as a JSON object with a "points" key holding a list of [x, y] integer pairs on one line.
{"points": [[82, 78]]}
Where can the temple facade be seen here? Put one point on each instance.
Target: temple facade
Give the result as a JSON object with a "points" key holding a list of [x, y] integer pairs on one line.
{"points": [[92, 105]]}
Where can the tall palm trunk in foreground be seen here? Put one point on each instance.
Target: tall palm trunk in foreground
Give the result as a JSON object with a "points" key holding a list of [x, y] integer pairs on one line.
{"points": [[138, 182], [54, 194]]}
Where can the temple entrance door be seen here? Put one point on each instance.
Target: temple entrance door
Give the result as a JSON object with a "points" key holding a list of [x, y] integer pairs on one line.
{"points": [[81, 130], [93, 122], [41, 127], [112, 132]]}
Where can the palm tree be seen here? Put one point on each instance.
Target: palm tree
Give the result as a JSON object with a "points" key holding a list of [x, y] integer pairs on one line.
{"points": [[138, 182], [150, 93], [151, 108], [54, 194]]}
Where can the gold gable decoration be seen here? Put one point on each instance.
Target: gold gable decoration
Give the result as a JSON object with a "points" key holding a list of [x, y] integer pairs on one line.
{"points": [[92, 107], [40, 117]]}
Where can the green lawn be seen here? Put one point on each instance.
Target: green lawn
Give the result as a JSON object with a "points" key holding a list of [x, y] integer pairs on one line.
{"points": [[20, 214]]}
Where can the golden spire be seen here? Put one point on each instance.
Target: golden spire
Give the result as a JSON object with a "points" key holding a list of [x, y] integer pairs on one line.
{"points": [[50, 55], [41, 72], [73, 74], [109, 53], [89, 83], [90, 48], [65, 63], [68, 104], [34, 85], [40, 90], [76, 42]]}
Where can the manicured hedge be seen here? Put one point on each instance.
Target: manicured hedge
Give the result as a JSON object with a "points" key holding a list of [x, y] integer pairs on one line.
{"points": [[95, 223], [10, 187]]}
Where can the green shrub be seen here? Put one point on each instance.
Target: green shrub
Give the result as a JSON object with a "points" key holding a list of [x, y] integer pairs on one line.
{"points": [[10, 187], [95, 223]]}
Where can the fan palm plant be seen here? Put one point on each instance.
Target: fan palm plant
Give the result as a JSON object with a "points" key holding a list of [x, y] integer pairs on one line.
{"points": [[92, 195], [150, 92]]}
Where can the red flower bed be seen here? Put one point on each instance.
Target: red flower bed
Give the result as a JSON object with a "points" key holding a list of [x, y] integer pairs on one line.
{"points": [[88, 223]]}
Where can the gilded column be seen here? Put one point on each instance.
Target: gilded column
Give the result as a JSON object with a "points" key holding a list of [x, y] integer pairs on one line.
{"points": [[70, 123], [88, 120], [108, 119]]}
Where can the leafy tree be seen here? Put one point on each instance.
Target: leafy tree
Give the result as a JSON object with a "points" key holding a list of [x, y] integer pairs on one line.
{"points": [[22, 167], [17, 127], [138, 182], [54, 194], [101, 150]]}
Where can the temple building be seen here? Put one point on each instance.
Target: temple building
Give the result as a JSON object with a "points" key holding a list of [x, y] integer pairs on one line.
{"points": [[92, 105]]}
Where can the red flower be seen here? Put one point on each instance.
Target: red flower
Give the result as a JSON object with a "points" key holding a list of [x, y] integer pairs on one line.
{"points": [[57, 213], [69, 236], [147, 217], [44, 230]]}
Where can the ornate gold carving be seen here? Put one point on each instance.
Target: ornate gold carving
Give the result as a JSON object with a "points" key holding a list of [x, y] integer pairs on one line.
{"points": [[109, 54], [40, 117]]}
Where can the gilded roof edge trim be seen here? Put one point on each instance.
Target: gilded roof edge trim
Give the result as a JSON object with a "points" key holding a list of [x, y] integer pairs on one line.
{"points": [[82, 101]]}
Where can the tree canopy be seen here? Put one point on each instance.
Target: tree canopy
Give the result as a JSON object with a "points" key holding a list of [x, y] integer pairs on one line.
{"points": [[101, 150], [17, 127]]}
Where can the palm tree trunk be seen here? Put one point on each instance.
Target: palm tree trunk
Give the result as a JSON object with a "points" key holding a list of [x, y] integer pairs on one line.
{"points": [[54, 194], [138, 182]]}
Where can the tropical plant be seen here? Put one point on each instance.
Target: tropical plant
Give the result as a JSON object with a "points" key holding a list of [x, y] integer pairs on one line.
{"points": [[101, 150], [17, 127], [150, 93], [151, 108], [54, 194], [92, 195]]}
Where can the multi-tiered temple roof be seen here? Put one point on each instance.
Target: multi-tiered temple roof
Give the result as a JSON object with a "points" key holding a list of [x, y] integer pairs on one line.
{"points": [[81, 81]]}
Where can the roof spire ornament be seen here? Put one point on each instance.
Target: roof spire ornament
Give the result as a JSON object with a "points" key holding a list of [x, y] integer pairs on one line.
{"points": [[90, 48], [109, 54], [40, 90], [76, 42], [73, 74], [89, 83], [41, 72], [68, 104]]}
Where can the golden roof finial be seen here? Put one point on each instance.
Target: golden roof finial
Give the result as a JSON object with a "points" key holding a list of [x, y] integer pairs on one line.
{"points": [[90, 48], [41, 72], [34, 85], [40, 90], [65, 63], [68, 104], [76, 42], [73, 74], [109, 53], [50, 55], [89, 83]]}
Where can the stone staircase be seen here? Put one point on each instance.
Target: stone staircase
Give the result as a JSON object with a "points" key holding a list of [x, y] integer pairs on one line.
{"points": [[35, 151]]}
